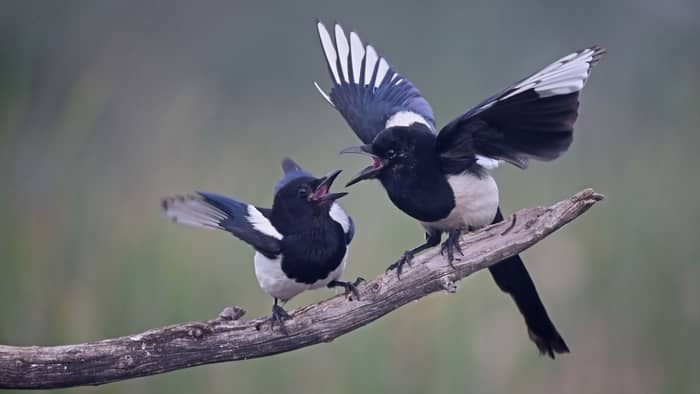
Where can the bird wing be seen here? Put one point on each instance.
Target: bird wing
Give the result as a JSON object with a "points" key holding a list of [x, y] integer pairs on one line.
{"points": [[531, 119], [366, 90], [213, 211], [338, 214]]}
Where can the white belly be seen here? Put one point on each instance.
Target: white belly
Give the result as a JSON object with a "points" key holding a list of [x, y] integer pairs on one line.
{"points": [[275, 283], [476, 202]]}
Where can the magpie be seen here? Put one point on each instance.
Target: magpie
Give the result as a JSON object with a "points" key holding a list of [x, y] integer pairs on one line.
{"points": [[442, 179], [301, 243]]}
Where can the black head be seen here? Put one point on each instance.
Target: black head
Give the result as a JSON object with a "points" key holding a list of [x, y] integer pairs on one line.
{"points": [[302, 195], [396, 150]]}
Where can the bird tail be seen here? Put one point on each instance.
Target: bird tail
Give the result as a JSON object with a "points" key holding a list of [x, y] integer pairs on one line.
{"points": [[512, 277], [193, 210]]}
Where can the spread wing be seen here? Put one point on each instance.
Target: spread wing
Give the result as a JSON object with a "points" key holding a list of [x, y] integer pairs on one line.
{"points": [[531, 119], [208, 210], [366, 90]]}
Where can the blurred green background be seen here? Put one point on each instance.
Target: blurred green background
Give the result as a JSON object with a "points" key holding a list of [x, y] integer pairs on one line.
{"points": [[107, 106]]}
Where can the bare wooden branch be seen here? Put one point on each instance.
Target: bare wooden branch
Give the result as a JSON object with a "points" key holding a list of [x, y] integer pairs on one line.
{"points": [[229, 339]]}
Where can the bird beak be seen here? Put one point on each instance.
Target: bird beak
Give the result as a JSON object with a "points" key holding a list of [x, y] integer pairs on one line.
{"points": [[321, 194], [369, 172]]}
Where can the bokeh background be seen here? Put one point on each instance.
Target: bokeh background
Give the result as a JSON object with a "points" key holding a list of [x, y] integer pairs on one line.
{"points": [[107, 106]]}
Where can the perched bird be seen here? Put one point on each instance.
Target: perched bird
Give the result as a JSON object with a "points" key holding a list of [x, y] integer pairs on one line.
{"points": [[442, 179], [301, 243]]}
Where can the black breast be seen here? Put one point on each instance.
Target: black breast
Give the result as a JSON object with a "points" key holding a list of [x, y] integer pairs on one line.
{"points": [[313, 253], [421, 192]]}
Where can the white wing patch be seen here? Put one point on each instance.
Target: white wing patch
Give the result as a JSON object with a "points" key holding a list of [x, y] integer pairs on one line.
{"points": [[406, 118], [192, 211], [381, 72], [328, 50], [487, 162], [341, 43], [357, 51], [370, 61], [340, 216], [355, 54], [566, 75], [261, 223]]}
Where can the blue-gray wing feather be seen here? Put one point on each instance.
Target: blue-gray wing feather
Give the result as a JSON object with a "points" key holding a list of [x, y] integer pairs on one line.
{"points": [[366, 90]]}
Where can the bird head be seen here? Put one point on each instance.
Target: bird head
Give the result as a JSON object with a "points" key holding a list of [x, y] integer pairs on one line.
{"points": [[298, 192], [395, 151]]}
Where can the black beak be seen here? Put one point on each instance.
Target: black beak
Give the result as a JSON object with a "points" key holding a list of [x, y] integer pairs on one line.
{"points": [[369, 172], [320, 193]]}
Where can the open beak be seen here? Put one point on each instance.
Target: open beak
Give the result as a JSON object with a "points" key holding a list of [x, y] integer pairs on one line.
{"points": [[370, 172], [321, 194]]}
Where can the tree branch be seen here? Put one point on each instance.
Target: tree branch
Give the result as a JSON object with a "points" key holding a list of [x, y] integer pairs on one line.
{"points": [[229, 339]]}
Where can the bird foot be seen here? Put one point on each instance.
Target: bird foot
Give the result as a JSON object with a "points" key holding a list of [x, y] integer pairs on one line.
{"points": [[279, 315], [405, 259], [450, 245], [350, 287]]}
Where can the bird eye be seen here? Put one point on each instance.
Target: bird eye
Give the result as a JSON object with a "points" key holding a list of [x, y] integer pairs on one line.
{"points": [[302, 192], [390, 154]]}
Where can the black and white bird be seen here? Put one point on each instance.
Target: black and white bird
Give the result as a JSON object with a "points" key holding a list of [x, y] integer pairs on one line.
{"points": [[301, 243], [442, 179]]}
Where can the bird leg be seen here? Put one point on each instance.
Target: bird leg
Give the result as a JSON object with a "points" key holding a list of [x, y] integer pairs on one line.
{"points": [[431, 239], [350, 287], [450, 245], [279, 315]]}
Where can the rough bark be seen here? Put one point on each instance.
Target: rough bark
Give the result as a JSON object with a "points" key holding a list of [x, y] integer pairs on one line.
{"points": [[228, 338]]}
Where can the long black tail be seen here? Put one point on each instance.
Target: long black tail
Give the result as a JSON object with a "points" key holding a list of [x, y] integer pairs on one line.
{"points": [[512, 277]]}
